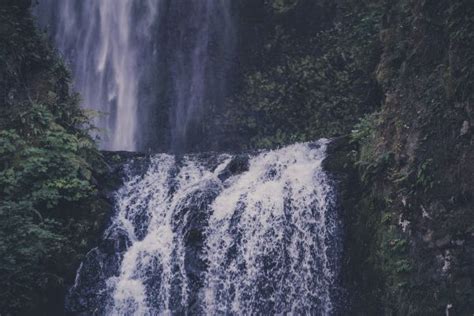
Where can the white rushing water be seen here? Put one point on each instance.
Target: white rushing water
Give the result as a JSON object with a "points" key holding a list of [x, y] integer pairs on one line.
{"points": [[203, 238], [274, 222]]}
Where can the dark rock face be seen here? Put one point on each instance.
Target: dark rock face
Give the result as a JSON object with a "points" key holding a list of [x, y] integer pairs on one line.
{"points": [[194, 230], [238, 164], [103, 261], [409, 247], [427, 148], [349, 189]]}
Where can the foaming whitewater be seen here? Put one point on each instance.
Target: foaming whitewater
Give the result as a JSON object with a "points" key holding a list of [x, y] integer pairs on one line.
{"points": [[218, 234]]}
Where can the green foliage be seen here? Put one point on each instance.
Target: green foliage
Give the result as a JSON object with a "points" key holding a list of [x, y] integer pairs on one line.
{"points": [[42, 185], [424, 177], [364, 134], [49, 209], [314, 85], [370, 160]]}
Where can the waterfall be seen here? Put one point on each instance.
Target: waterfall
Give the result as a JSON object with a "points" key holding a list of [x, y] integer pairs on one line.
{"points": [[194, 234], [105, 42], [202, 46], [151, 67], [218, 234]]}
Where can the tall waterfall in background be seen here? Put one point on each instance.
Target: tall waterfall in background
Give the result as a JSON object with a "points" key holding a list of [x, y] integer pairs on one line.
{"points": [[150, 66], [105, 41], [218, 234], [195, 234], [202, 47]]}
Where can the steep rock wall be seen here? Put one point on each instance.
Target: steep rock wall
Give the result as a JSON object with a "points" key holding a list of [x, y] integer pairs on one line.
{"points": [[416, 160]]}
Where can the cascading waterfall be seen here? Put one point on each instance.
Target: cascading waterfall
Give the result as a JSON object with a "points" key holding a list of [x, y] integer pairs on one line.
{"points": [[218, 234], [106, 42], [195, 234], [150, 66]]}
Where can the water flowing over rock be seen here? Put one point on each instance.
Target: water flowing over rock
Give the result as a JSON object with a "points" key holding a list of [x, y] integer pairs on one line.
{"points": [[218, 234]]}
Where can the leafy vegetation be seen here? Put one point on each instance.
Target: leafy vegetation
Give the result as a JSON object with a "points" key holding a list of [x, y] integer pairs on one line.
{"points": [[316, 83], [49, 210]]}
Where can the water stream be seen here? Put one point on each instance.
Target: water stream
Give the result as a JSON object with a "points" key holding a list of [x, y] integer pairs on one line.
{"points": [[218, 234], [149, 67], [202, 234]]}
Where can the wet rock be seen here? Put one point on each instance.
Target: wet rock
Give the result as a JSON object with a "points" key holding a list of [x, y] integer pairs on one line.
{"points": [[459, 242], [237, 165], [88, 296], [428, 236], [443, 242], [117, 242]]}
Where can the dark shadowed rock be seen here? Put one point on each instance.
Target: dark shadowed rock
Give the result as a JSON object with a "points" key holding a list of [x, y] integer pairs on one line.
{"points": [[237, 165]]}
